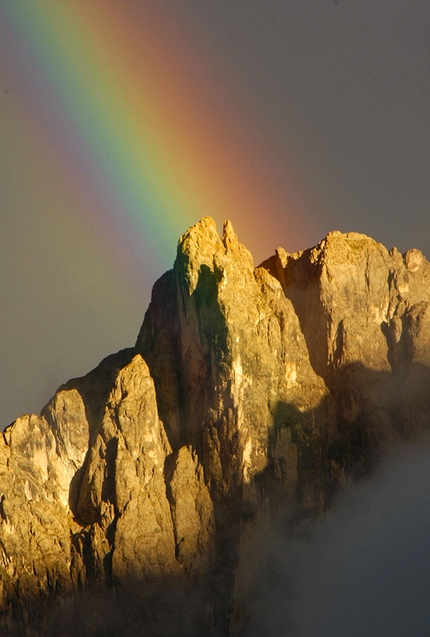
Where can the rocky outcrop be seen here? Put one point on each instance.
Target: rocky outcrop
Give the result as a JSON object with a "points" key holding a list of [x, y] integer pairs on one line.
{"points": [[252, 394], [364, 313]]}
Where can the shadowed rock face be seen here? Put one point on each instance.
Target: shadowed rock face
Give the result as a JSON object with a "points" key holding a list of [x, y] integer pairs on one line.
{"points": [[141, 496]]}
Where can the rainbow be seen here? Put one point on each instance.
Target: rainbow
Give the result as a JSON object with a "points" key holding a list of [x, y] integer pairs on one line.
{"points": [[139, 123]]}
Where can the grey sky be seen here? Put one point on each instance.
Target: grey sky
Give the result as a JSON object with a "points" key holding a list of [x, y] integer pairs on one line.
{"points": [[340, 93]]}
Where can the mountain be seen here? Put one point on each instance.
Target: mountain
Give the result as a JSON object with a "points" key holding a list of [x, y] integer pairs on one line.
{"points": [[143, 497]]}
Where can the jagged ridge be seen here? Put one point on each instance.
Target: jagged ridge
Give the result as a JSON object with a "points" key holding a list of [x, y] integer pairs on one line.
{"points": [[251, 393]]}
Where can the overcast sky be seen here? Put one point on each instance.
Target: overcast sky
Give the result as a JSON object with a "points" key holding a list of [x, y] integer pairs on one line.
{"points": [[332, 96]]}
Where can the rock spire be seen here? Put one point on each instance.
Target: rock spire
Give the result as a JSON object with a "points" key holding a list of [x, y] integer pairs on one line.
{"points": [[143, 492]]}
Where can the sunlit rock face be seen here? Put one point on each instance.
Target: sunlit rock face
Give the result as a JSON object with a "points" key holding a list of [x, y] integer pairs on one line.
{"points": [[145, 491]]}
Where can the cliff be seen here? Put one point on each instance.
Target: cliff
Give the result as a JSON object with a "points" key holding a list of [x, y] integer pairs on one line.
{"points": [[141, 498]]}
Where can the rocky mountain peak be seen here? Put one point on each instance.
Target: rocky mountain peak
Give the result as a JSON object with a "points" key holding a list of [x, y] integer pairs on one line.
{"points": [[251, 394]]}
